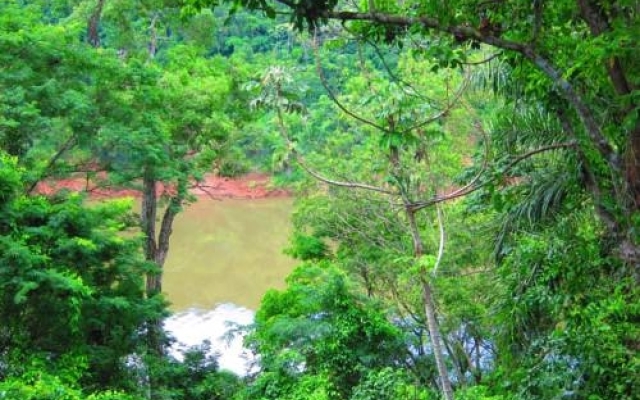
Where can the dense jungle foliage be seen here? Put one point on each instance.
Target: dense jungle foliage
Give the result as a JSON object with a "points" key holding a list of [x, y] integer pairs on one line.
{"points": [[467, 182]]}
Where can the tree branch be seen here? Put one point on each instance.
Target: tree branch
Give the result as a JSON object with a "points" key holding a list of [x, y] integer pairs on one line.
{"points": [[469, 33], [442, 113], [485, 61], [65, 147], [469, 187], [473, 185], [332, 96], [300, 161], [352, 185]]}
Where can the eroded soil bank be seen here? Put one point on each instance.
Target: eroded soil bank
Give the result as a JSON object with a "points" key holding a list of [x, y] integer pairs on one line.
{"points": [[250, 186]]}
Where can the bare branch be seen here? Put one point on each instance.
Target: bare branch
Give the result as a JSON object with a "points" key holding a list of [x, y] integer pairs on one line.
{"points": [[206, 189], [352, 185], [63, 149], [300, 161], [485, 61], [333, 97], [445, 111], [531, 153], [473, 185]]}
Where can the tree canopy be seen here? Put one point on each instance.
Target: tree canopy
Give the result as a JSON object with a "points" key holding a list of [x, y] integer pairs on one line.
{"points": [[467, 176]]}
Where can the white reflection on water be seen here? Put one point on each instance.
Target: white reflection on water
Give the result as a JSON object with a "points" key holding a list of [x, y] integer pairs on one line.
{"points": [[193, 326], [227, 252]]}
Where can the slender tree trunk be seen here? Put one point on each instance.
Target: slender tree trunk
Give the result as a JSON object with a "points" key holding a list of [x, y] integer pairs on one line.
{"points": [[430, 309], [436, 338], [427, 293], [153, 37], [93, 27], [166, 229]]}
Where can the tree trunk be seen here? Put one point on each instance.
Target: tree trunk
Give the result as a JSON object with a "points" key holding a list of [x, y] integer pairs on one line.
{"points": [[436, 338], [153, 39], [148, 225], [430, 309], [156, 249], [154, 279], [93, 34], [632, 164], [599, 23], [148, 215]]}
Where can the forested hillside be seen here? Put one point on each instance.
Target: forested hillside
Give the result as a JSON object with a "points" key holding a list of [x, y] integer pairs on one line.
{"points": [[466, 175]]}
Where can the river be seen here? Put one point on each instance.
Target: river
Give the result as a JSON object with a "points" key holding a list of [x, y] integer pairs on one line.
{"points": [[224, 255]]}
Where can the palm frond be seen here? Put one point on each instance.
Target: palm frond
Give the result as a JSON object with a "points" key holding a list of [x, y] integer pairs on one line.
{"points": [[493, 76], [538, 200], [526, 127]]}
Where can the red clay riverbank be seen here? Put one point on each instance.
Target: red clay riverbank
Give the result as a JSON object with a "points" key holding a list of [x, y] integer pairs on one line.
{"points": [[249, 186]]}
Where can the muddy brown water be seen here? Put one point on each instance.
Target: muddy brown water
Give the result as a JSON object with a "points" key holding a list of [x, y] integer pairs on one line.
{"points": [[228, 251], [224, 255]]}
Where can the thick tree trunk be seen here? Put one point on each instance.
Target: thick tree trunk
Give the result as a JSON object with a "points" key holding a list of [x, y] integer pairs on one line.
{"points": [[148, 215], [148, 225], [156, 249], [632, 168], [154, 279]]}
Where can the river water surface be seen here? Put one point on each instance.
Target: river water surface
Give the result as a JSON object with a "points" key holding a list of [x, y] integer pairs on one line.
{"points": [[224, 255]]}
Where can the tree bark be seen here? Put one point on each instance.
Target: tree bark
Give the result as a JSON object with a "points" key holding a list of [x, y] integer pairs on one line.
{"points": [[153, 37], [148, 225], [153, 279], [430, 308], [598, 22], [93, 27], [156, 249]]}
